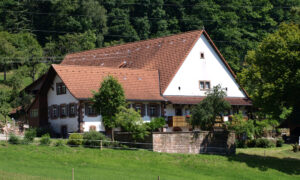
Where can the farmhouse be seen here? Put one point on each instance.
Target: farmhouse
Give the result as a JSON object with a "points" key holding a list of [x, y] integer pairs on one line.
{"points": [[161, 77]]}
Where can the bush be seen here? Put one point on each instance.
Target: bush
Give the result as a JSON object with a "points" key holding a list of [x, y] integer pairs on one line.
{"points": [[156, 123], [251, 143], [296, 147], [279, 142], [59, 143], [30, 134], [43, 130], [45, 140], [241, 144], [264, 143], [91, 139], [75, 139], [13, 139]]}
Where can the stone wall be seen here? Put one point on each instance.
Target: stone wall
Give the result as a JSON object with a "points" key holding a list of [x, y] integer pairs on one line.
{"points": [[222, 142], [125, 138]]}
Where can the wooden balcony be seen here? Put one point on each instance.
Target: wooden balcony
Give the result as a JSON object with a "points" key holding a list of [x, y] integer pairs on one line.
{"points": [[178, 121]]}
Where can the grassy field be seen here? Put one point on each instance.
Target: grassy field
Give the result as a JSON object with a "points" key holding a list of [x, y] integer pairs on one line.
{"points": [[40, 162]]}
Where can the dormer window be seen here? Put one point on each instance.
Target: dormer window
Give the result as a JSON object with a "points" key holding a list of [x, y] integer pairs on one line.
{"points": [[204, 85], [201, 55], [60, 88]]}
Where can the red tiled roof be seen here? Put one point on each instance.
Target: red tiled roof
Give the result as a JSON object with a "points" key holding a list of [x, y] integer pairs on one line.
{"points": [[197, 99], [137, 84], [165, 54]]}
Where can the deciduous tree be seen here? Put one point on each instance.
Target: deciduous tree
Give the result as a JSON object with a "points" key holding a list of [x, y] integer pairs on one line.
{"points": [[206, 112], [107, 101], [272, 72]]}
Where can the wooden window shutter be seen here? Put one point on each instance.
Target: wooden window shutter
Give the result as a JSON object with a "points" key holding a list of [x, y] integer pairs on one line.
{"points": [[156, 110], [143, 110], [50, 112], [148, 109], [67, 110], [86, 108], [57, 111], [75, 107]]}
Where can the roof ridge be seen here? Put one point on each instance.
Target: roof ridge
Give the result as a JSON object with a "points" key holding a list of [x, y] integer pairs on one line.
{"points": [[104, 67], [139, 41]]}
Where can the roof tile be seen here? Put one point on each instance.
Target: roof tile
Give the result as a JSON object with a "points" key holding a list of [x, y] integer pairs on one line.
{"points": [[82, 80]]}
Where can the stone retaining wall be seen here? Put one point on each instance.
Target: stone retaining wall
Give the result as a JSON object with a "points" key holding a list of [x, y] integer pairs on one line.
{"points": [[194, 142]]}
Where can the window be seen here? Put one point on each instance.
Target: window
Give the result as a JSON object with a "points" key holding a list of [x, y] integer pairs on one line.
{"points": [[63, 110], [138, 107], [90, 110], [34, 113], [207, 85], [54, 113], [201, 84], [60, 88], [72, 110], [153, 110], [204, 85], [201, 55]]}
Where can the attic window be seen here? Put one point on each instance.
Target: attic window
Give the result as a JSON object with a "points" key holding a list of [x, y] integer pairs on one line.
{"points": [[201, 55], [204, 85], [60, 88]]}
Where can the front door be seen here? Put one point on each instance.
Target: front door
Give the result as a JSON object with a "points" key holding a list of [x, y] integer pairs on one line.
{"points": [[178, 112], [64, 131]]}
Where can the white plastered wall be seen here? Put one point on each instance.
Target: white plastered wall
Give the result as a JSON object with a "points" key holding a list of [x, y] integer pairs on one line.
{"points": [[194, 69], [54, 99], [71, 123], [89, 121]]}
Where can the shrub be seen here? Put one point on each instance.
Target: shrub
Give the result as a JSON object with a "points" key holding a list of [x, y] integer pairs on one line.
{"points": [[75, 139], [92, 138], [45, 140], [251, 143], [296, 147], [13, 139], [264, 143], [241, 143], [131, 122], [59, 143], [279, 142], [43, 130], [156, 123], [30, 134]]}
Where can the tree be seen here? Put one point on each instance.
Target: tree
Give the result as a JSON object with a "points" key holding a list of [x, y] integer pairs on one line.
{"points": [[132, 122], [70, 43], [4, 110], [107, 101], [272, 72], [7, 51], [206, 112]]}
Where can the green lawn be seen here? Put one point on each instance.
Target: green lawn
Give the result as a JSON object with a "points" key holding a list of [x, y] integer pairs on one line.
{"points": [[40, 162]]}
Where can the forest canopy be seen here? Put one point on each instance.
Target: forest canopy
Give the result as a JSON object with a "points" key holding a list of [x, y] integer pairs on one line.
{"points": [[64, 26]]}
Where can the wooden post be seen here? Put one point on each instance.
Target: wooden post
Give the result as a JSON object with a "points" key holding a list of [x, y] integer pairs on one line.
{"points": [[100, 144], [72, 173], [158, 178]]}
